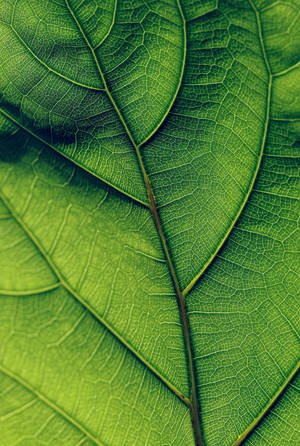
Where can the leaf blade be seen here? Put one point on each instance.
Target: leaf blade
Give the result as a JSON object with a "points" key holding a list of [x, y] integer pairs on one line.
{"points": [[116, 265]]}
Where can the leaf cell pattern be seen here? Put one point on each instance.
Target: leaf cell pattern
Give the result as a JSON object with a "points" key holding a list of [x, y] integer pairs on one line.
{"points": [[149, 185]]}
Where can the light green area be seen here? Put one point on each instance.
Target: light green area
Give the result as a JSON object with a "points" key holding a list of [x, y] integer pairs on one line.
{"points": [[21, 410], [202, 99], [22, 269], [103, 247], [286, 97], [244, 314], [101, 391], [282, 424]]}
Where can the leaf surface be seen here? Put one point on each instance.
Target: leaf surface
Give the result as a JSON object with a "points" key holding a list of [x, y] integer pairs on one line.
{"points": [[149, 184]]}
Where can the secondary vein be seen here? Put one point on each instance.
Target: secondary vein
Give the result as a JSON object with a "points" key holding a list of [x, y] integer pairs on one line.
{"points": [[104, 180], [179, 80], [73, 81], [242, 437], [192, 283], [45, 289], [50, 403], [110, 27], [193, 401], [88, 307]]}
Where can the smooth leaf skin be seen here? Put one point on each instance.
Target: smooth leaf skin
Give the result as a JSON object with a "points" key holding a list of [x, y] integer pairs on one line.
{"points": [[202, 100]]}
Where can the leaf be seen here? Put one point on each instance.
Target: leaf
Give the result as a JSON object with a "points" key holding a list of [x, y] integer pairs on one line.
{"points": [[149, 184]]}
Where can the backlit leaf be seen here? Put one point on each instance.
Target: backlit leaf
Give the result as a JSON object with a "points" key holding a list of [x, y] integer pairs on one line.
{"points": [[149, 186]]}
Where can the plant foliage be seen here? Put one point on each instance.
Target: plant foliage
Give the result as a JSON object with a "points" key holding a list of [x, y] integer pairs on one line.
{"points": [[149, 184]]}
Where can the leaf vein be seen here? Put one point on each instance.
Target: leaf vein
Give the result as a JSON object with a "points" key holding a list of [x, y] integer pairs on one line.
{"points": [[110, 27], [91, 310], [104, 180], [50, 403], [242, 437], [258, 164], [90, 87], [193, 401]]}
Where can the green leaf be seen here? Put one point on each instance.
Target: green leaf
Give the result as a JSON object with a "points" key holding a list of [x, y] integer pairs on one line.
{"points": [[149, 185]]}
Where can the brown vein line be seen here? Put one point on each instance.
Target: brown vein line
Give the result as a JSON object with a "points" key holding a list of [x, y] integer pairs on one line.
{"points": [[193, 401], [113, 186], [194, 407], [30, 292], [259, 160], [86, 305], [50, 403], [241, 438]]}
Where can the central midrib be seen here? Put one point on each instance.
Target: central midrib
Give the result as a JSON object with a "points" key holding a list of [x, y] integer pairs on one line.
{"points": [[193, 400], [180, 294], [192, 403]]}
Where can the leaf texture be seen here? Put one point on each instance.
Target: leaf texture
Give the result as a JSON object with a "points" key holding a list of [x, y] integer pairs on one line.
{"points": [[149, 185]]}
